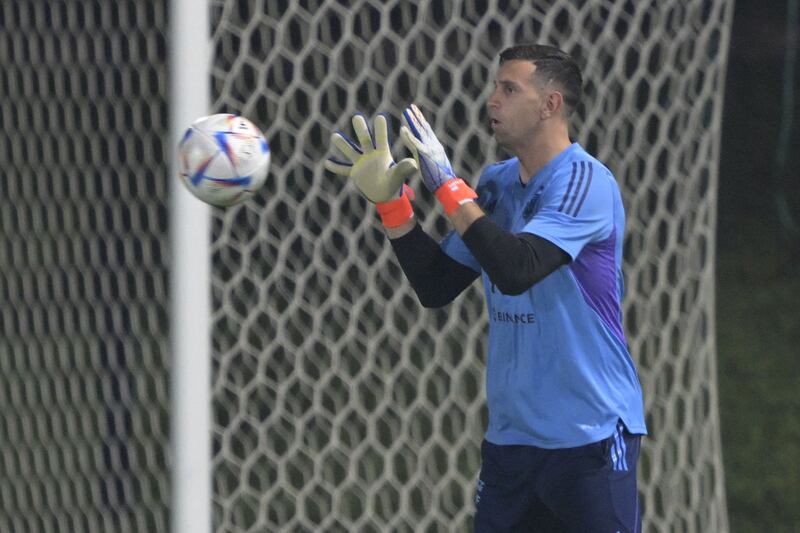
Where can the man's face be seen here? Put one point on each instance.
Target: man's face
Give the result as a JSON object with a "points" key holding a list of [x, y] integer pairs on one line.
{"points": [[515, 104]]}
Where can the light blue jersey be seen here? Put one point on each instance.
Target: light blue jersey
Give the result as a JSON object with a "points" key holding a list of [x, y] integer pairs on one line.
{"points": [[558, 373]]}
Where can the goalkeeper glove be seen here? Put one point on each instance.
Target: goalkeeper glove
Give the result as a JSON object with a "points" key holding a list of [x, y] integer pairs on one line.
{"points": [[371, 168], [437, 173]]}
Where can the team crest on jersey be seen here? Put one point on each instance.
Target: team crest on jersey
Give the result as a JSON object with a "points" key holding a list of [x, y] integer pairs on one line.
{"points": [[530, 207]]}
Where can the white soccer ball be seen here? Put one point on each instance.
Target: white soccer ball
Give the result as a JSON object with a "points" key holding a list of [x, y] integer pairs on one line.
{"points": [[223, 159]]}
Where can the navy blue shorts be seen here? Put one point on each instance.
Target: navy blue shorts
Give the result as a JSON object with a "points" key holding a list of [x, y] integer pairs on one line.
{"points": [[586, 489]]}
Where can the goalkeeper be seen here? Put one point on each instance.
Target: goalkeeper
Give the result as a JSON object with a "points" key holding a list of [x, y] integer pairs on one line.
{"points": [[545, 232]]}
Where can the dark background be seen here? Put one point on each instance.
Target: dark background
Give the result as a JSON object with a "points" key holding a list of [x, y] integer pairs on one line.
{"points": [[758, 286]]}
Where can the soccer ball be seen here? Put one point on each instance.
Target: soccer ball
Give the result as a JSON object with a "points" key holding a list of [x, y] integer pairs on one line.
{"points": [[223, 159]]}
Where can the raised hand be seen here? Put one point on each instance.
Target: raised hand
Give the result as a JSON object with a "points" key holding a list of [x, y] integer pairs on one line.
{"points": [[369, 163], [419, 137], [437, 172]]}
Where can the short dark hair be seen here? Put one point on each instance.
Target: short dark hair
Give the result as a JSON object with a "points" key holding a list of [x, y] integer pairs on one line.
{"points": [[552, 64]]}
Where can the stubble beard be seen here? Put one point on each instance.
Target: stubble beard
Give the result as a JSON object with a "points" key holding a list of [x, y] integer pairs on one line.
{"points": [[505, 143]]}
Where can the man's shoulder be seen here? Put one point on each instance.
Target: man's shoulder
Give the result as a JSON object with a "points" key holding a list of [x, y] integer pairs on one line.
{"points": [[582, 184], [581, 166]]}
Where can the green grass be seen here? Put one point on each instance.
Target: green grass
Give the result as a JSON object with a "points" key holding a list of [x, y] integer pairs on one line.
{"points": [[758, 332]]}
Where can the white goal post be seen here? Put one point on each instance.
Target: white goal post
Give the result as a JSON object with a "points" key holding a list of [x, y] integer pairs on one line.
{"points": [[190, 279]]}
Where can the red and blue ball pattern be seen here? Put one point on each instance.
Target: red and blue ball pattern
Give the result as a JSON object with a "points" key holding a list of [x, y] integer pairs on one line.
{"points": [[224, 159]]}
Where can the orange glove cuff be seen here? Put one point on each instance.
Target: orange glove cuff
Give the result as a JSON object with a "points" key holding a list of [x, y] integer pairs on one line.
{"points": [[454, 194], [395, 213]]}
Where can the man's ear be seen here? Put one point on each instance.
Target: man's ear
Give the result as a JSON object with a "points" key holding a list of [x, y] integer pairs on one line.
{"points": [[553, 104]]}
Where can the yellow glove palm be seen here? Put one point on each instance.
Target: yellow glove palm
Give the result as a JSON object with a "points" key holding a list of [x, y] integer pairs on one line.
{"points": [[370, 166]]}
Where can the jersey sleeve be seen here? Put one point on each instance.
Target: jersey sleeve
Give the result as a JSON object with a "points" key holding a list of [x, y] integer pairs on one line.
{"points": [[576, 208], [454, 246]]}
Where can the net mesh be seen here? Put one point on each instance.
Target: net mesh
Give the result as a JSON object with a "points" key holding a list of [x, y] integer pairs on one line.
{"points": [[83, 324], [339, 403]]}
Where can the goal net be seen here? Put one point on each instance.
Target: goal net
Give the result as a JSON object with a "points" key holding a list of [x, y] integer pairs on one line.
{"points": [[84, 253], [339, 403]]}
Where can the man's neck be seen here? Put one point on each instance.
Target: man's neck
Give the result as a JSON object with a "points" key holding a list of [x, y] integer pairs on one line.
{"points": [[539, 152]]}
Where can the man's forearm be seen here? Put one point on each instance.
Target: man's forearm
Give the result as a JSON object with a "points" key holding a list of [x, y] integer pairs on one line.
{"points": [[514, 263], [465, 215], [435, 277], [400, 231]]}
